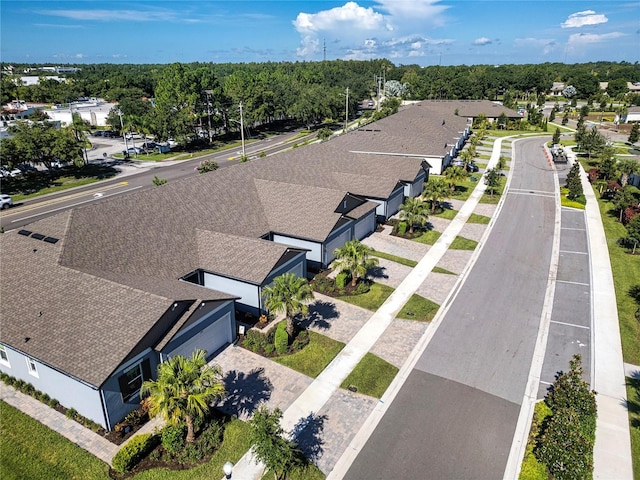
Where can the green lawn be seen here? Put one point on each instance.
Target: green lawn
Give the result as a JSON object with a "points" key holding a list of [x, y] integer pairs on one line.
{"points": [[463, 189], [429, 237], [461, 243], [419, 308], [313, 358], [633, 399], [372, 300], [446, 213], [482, 219], [394, 258], [29, 450], [443, 270], [372, 376], [626, 274]]}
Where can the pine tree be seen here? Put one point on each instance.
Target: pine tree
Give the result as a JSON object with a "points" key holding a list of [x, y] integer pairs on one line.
{"points": [[574, 184], [634, 135]]}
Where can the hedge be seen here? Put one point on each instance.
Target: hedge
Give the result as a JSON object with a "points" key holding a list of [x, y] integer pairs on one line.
{"points": [[134, 451]]}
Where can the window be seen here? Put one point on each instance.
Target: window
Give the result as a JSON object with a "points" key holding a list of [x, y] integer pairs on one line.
{"points": [[132, 379], [4, 359], [31, 366]]}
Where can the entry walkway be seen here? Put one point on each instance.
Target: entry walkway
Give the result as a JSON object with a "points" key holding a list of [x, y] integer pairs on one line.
{"points": [[321, 389]]}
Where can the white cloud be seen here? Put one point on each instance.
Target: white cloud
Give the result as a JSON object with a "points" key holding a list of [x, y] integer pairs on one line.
{"points": [[586, 17], [482, 41], [150, 15], [364, 32]]}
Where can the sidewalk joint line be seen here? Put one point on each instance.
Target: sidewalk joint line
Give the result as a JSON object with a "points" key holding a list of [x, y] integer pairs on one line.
{"points": [[573, 283]]}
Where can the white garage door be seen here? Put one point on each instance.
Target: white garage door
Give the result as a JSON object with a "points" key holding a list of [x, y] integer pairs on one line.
{"points": [[210, 338]]}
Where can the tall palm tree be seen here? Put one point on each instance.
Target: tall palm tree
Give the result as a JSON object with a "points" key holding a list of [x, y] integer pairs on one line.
{"points": [[289, 294], [414, 212], [435, 191], [353, 257], [184, 390]]}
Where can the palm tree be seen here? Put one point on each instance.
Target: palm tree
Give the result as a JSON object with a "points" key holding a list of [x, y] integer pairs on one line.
{"points": [[414, 212], [353, 257], [184, 390], [627, 167], [435, 191], [289, 294], [454, 175]]}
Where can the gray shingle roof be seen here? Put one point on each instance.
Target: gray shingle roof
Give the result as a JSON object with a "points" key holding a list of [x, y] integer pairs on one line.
{"points": [[76, 322]]}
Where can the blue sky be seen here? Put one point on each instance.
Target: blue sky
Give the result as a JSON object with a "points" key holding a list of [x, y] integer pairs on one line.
{"points": [[423, 32]]}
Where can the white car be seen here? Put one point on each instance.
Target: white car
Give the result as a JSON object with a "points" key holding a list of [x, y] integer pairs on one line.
{"points": [[5, 201], [4, 173]]}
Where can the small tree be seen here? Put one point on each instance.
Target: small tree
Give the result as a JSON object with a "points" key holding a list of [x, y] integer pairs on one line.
{"points": [[184, 390], [492, 180], [574, 183], [414, 212], [269, 443], [354, 258], [455, 174], [633, 232], [435, 191], [634, 135], [608, 163], [627, 167], [157, 181], [207, 166], [622, 199], [288, 294], [556, 136]]}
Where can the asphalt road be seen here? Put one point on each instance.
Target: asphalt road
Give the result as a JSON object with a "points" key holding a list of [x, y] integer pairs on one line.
{"points": [[133, 176], [456, 414]]}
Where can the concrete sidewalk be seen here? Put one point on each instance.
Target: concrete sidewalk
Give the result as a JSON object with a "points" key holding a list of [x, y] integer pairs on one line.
{"points": [[612, 450]]}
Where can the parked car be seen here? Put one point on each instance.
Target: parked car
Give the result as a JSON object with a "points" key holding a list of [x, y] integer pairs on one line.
{"points": [[472, 167], [26, 168], [456, 162], [5, 201], [132, 151], [4, 173]]}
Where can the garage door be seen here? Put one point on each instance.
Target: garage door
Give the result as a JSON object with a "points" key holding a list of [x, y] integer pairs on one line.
{"points": [[210, 338], [337, 242], [365, 226]]}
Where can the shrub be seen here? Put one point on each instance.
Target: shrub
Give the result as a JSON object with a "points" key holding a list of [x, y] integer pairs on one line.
{"points": [[134, 451], [362, 287], [19, 384], [281, 339], [135, 417], [269, 349], [173, 437], [255, 341], [53, 403], [45, 398], [71, 413], [301, 340], [341, 279], [28, 389], [402, 228], [11, 381]]}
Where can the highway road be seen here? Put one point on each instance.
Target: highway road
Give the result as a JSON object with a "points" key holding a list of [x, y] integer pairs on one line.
{"points": [[134, 176], [456, 414]]}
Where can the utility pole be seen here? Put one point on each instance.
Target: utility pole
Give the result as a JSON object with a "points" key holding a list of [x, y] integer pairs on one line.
{"points": [[209, 92], [126, 144], [242, 131], [346, 112]]}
